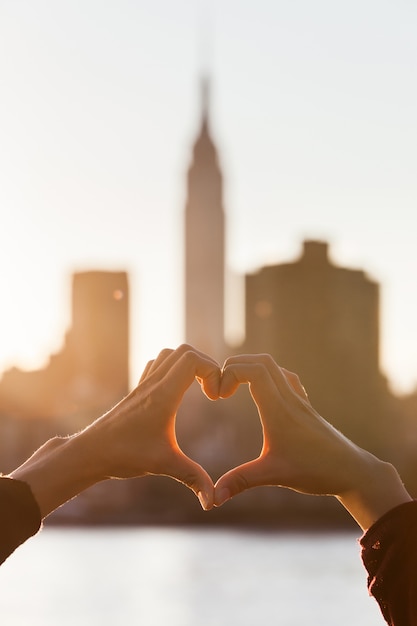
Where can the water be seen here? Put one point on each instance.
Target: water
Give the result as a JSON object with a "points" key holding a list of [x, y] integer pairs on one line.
{"points": [[185, 577]]}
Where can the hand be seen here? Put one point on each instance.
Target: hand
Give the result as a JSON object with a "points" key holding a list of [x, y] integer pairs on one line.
{"points": [[138, 437], [135, 438], [301, 450]]}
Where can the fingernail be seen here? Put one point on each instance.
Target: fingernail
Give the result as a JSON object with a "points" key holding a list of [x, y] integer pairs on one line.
{"points": [[221, 496], [203, 500]]}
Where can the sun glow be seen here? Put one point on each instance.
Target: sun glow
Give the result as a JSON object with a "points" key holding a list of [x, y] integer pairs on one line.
{"points": [[33, 322], [95, 148]]}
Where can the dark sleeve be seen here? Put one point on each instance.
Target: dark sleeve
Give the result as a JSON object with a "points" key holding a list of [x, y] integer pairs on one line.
{"points": [[389, 553], [20, 517]]}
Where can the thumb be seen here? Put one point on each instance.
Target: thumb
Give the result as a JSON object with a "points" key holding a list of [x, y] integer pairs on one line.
{"points": [[238, 479], [195, 477]]}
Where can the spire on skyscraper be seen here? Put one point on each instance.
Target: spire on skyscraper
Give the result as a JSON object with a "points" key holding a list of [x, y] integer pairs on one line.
{"points": [[204, 149], [205, 99]]}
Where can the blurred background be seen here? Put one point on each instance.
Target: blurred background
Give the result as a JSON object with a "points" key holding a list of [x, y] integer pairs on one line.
{"points": [[240, 175]]}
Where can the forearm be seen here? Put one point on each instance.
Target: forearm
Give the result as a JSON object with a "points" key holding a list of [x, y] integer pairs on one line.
{"points": [[59, 470], [380, 490]]}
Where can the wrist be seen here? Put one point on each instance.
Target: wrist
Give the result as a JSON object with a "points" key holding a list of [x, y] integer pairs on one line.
{"points": [[378, 489], [58, 471]]}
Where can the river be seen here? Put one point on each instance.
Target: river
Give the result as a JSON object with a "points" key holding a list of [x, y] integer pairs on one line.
{"points": [[180, 576]]}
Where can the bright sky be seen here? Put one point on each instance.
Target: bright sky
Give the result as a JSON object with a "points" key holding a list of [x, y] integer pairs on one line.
{"points": [[314, 113]]}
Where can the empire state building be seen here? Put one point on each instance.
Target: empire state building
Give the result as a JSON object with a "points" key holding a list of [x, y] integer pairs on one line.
{"points": [[205, 243]]}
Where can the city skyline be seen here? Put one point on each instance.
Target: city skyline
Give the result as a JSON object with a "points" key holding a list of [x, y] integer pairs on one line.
{"points": [[313, 117]]}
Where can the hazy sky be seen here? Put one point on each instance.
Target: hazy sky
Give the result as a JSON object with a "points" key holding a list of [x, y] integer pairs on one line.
{"points": [[314, 113]]}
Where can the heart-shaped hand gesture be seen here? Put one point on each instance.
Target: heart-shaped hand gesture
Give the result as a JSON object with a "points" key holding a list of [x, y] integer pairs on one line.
{"points": [[300, 449]]}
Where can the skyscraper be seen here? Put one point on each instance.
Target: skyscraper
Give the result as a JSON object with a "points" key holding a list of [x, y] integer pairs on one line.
{"points": [[98, 341], [322, 321], [205, 242]]}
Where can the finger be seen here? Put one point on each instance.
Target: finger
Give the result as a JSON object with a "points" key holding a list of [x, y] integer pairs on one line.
{"points": [[193, 476], [229, 382], [167, 357], [295, 384], [237, 480], [271, 403], [286, 382], [146, 371], [161, 358], [154, 364], [275, 371], [254, 373], [233, 374], [181, 366], [186, 364]]}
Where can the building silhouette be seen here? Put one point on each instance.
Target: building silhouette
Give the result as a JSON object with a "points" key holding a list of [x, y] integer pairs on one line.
{"points": [[322, 321], [205, 242]]}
